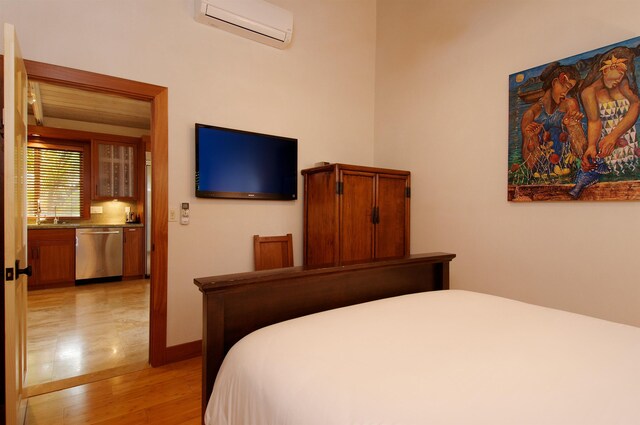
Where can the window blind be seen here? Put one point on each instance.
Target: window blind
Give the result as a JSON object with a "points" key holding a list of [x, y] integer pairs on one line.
{"points": [[54, 177]]}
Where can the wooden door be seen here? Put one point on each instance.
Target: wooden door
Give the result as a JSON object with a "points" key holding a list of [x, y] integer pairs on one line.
{"points": [[15, 225], [133, 252], [392, 224], [53, 256], [356, 209], [321, 218]]}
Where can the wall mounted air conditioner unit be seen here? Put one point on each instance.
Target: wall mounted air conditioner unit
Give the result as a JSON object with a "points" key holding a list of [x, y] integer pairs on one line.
{"points": [[254, 19]]}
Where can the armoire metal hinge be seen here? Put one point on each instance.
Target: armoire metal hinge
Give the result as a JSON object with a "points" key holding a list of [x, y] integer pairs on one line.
{"points": [[407, 192], [339, 188]]}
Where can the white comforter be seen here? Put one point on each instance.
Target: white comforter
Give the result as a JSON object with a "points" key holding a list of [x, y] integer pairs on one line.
{"points": [[446, 357]]}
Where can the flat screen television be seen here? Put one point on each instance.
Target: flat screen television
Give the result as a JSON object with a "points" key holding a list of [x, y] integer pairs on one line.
{"points": [[244, 165]]}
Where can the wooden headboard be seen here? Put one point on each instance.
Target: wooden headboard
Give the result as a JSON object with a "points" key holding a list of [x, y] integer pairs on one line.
{"points": [[238, 304]]}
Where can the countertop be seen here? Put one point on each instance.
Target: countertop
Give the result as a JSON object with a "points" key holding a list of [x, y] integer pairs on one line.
{"points": [[50, 225]]}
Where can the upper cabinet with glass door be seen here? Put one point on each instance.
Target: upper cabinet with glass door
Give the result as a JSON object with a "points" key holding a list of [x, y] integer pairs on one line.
{"points": [[114, 170]]}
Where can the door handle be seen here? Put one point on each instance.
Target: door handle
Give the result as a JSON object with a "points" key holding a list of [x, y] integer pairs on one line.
{"points": [[375, 215], [26, 271]]}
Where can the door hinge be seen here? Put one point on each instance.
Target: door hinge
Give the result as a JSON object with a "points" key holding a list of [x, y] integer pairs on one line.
{"points": [[407, 192], [8, 275], [339, 188]]}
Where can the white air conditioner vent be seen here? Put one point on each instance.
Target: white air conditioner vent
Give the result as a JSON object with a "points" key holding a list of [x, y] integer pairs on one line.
{"points": [[254, 19]]}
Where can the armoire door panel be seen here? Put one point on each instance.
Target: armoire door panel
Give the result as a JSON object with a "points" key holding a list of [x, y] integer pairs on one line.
{"points": [[321, 214], [357, 231], [392, 209]]}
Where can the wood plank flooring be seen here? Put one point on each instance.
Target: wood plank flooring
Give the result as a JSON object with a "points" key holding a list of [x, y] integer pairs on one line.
{"points": [[84, 333], [167, 395]]}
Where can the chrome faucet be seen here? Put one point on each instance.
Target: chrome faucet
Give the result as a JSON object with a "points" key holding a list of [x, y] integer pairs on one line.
{"points": [[55, 214]]}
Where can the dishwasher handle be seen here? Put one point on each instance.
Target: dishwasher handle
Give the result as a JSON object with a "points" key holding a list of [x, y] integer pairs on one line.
{"points": [[112, 232]]}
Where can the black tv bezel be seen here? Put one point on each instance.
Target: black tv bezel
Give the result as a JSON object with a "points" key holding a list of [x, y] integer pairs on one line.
{"points": [[242, 195]]}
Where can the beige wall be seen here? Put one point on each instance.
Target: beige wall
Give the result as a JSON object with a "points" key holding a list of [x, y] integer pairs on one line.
{"points": [[320, 90], [441, 111], [439, 77]]}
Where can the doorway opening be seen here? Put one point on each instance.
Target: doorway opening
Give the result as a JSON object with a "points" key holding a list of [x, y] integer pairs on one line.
{"points": [[156, 96]]}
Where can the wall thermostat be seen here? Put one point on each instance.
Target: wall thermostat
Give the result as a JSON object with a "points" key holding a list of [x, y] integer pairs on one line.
{"points": [[184, 213]]}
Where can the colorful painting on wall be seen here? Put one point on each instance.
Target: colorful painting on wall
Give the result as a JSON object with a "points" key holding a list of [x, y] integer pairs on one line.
{"points": [[573, 127]]}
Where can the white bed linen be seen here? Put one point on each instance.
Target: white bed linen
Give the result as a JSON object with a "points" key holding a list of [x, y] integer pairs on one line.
{"points": [[446, 357]]}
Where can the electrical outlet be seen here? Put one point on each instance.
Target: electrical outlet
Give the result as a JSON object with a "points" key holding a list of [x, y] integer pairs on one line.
{"points": [[96, 210], [173, 214]]}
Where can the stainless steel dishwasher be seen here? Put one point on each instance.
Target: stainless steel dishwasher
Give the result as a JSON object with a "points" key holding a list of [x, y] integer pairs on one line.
{"points": [[98, 252]]}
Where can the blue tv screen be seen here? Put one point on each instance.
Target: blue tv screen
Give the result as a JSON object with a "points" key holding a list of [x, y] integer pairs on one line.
{"points": [[244, 165]]}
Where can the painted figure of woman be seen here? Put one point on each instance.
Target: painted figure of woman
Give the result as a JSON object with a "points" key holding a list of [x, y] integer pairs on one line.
{"points": [[609, 95], [552, 136]]}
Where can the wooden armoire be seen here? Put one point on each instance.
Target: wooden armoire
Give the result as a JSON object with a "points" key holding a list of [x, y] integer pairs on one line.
{"points": [[355, 213]]}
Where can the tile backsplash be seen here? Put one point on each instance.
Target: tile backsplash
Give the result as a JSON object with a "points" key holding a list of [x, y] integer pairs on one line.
{"points": [[113, 212]]}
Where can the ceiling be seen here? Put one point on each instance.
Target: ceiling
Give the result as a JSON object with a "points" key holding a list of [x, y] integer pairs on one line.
{"points": [[54, 105]]}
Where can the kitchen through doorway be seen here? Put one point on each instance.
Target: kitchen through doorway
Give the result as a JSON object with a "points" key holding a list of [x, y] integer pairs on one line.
{"points": [[83, 333]]}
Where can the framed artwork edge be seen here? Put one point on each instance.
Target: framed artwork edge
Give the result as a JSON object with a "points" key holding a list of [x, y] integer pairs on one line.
{"points": [[605, 191], [547, 161]]}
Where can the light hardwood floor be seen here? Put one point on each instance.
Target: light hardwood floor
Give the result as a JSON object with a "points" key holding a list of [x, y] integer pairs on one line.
{"points": [[85, 333], [167, 395]]}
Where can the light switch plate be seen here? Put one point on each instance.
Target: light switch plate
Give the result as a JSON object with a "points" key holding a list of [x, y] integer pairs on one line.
{"points": [[173, 214]]}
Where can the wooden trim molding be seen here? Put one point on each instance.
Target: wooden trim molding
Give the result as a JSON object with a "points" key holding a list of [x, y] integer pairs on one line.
{"points": [[180, 352], [92, 81], [158, 97], [79, 135], [159, 227]]}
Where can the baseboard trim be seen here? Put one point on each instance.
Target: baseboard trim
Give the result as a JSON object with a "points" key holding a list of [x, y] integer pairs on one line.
{"points": [[179, 352]]}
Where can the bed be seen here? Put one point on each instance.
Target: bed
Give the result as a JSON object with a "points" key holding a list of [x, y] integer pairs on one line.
{"points": [[423, 357]]}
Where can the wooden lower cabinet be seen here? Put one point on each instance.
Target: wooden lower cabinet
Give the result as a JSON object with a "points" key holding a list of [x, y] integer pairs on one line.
{"points": [[133, 252], [355, 213], [52, 256]]}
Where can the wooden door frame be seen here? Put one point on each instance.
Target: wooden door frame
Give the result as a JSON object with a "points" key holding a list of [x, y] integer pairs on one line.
{"points": [[159, 141], [2, 321]]}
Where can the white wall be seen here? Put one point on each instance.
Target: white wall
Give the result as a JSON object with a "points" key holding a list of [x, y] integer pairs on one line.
{"points": [[441, 112], [439, 75], [320, 90]]}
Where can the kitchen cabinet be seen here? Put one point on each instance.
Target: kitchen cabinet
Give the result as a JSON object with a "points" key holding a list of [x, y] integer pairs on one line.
{"points": [[133, 252], [355, 213], [114, 174], [52, 257]]}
